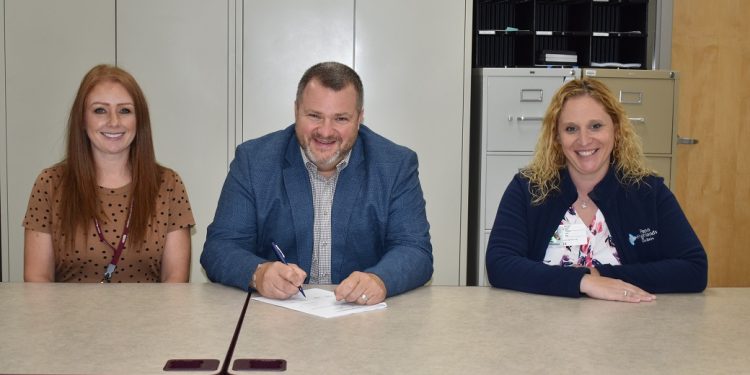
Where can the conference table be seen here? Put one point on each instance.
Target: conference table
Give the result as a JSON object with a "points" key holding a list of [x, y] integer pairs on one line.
{"points": [[136, 328]]}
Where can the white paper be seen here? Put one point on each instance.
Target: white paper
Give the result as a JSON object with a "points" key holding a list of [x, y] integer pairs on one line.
{"points": [[321, 303]]}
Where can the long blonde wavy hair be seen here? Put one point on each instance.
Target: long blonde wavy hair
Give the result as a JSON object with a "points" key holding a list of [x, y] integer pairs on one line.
{"points": [[627, 155]]}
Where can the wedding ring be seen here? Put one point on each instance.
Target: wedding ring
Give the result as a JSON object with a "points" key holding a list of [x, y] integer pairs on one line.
{"points": [[625, 293], [364, 298]]}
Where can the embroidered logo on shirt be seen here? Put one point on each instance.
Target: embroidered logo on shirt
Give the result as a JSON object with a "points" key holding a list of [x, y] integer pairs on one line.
{"points": [[644, 235]]}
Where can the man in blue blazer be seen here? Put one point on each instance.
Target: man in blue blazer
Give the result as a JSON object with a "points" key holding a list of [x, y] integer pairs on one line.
{"points": [[344, 203]]}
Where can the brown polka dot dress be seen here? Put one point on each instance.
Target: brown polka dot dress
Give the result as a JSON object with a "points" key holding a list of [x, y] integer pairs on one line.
{"points": [[88, 259]]}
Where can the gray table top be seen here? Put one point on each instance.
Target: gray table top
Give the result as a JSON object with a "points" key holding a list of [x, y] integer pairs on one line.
{"points": [[135, 328]]}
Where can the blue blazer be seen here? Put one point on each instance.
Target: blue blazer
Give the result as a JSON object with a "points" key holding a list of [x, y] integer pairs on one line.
{"points": [[379, 224], [659, 251]]}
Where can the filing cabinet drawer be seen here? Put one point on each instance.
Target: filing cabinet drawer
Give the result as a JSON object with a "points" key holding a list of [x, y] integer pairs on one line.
{"points": [[499, 170], [649, 103], [515, 108]]}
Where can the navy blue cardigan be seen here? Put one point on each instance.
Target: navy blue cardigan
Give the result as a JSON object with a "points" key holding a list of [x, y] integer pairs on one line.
{"points": [[658, 249]]}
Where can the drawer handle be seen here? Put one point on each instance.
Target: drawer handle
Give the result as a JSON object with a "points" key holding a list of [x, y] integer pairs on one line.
{"points": [[641, 120], [631, 97], [529, 118]]}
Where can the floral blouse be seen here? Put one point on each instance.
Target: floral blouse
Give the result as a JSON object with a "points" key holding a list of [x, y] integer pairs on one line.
{"points": [[576, 244]]}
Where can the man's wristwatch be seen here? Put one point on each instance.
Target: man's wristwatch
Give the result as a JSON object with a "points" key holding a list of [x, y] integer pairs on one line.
{"points": [[253, 281]]}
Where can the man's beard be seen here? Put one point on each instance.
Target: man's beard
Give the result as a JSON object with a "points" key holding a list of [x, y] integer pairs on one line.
{"points": [[325, 163]]}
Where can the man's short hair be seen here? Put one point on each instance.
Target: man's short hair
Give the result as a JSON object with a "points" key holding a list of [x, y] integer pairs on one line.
{"points": [[333, 75]]}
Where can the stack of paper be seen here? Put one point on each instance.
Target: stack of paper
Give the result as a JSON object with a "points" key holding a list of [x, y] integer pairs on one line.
{"points": [[559, 57], [614, 65]]}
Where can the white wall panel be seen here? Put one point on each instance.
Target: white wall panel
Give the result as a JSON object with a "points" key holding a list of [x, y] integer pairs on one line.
{"points": [[49, 46], [410, 55], [178, 52], [282, 38]]}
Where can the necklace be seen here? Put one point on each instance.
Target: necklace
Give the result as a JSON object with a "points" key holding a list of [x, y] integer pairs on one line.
{"points": [[584, 204]]}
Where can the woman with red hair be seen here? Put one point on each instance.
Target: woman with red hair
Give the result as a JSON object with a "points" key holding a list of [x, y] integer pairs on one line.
{"points": [[108, 211]]}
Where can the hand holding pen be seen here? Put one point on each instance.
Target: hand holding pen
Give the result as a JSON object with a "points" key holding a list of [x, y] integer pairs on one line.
{"points": [[282, 258]]}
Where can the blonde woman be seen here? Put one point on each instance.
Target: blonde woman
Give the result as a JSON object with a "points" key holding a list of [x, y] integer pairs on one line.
{"points": [[587, 217]]}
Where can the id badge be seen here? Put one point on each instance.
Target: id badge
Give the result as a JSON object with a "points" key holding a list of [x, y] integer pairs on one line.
{"points": [[571, 235]]}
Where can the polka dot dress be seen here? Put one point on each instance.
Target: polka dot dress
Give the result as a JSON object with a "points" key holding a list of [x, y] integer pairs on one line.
{"points": [[89, 257]]}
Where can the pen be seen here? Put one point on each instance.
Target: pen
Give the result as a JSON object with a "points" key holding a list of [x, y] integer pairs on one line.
{"points": [[282, 258]]}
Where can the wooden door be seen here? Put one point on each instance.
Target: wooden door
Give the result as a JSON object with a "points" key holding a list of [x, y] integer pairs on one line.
{"points": [[711, 52]]}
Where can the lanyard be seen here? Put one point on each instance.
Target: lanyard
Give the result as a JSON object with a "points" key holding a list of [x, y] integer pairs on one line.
{"points": [[118, 250]]}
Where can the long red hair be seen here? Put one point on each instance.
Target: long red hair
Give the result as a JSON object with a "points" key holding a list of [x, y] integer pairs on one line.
{"points": [[79, 204]]}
